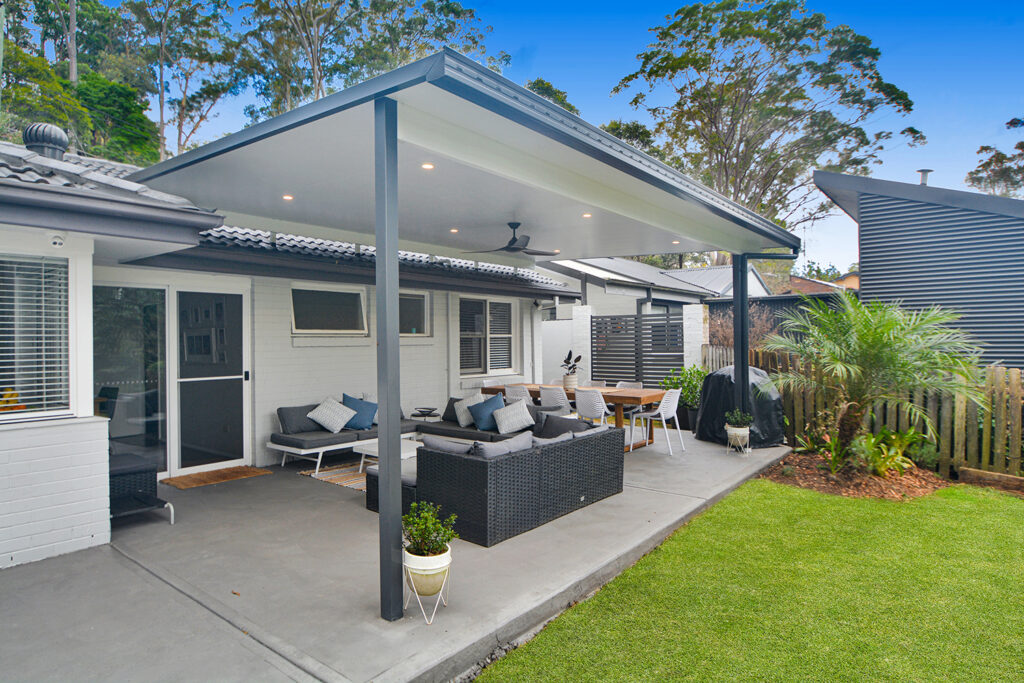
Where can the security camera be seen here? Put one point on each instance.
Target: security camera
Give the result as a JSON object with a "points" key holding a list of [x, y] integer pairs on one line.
{"points": [[56, 240]]}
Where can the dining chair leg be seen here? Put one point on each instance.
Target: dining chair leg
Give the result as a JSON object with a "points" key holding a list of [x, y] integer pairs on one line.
{"points": [[680, 433], [664, 426]]}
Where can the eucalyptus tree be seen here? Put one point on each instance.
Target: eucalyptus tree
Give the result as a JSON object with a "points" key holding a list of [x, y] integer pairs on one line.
{"points": [[1000, 173], [549, 92], [750, 98]]}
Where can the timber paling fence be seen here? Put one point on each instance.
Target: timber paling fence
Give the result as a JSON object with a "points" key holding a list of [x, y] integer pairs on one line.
{"points": [[985, 437]]}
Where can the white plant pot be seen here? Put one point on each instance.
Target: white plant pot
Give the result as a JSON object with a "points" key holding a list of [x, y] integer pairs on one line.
{"points": [[738, 437], [427, 573], [570, 382]]}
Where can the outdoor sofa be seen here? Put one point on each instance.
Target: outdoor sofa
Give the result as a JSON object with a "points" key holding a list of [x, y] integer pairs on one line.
{"points": [[495, 498]]}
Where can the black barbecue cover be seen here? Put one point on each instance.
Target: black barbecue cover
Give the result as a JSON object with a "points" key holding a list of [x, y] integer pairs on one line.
{"points": [[717, 397]]}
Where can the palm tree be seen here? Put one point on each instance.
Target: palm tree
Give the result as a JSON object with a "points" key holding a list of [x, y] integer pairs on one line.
{"points": [[858, 354]]}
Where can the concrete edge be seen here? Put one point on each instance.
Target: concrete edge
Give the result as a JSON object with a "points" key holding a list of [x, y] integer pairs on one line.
{"points": [[275, 646], [491, 647]]}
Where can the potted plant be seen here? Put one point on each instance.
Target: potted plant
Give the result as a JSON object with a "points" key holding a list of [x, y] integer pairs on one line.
{"points": [[571, 365], [689, 381], [427, 554], [737, 429]]}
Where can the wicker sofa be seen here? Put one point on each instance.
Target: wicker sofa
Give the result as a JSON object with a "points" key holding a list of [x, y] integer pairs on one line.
{"points": [[500, 497]]}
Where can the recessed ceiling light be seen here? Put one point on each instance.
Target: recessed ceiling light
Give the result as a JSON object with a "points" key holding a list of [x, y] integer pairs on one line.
{"points": [[675, 241], [587, 215], [427, 166], [557, 251], [453, 230], [287, 197]]}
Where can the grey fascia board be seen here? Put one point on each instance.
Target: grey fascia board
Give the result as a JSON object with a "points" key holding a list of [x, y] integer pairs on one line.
{"points": [[574, 274], [478, 84], [361, 93], [59, 208], [844, 190]]}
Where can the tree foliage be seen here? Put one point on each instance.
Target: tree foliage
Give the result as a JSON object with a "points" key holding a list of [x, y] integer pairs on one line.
{"points": [[817, 271], [761, 94], [1000, 173], [550, 92], [120, 128], [32, 91]]}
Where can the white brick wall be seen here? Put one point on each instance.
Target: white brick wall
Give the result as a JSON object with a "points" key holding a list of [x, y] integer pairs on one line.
{"points": [[294, 370], [695, 332], [54, 495]]}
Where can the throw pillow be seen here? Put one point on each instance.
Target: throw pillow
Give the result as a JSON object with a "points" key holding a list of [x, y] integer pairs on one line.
{"points": [[513, 418], [483, 412], [332, 415], [294, 419], [449, 414], [463, 416], [520, 442], [590, 432], [364, 412], [436, 443], [555, 425], [372, 398], [537, 441]]}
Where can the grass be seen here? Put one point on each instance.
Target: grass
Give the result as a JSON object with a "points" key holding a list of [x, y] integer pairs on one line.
{"points": [[781, 583]]}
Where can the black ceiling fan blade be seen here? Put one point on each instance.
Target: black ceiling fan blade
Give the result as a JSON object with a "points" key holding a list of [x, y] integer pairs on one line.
{"points": [[521, 242], [539, 252], [487, 251]]}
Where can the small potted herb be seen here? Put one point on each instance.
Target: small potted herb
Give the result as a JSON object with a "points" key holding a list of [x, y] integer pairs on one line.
{"points": [[689, 381], [571, 365], [737, 430], [427, 554]]}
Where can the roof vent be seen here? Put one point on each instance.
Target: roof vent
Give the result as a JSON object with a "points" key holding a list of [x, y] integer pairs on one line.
{"points": [[924, 174], [46, 139]]}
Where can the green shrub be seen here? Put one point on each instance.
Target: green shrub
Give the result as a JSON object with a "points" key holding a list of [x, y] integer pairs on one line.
{"points": [[886, 451], [425, 533], [690, 380]]}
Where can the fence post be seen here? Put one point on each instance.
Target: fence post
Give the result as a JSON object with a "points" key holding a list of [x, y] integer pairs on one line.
{"points": [[1015, 422], [986, 421], [959, 431], [999, 410]]}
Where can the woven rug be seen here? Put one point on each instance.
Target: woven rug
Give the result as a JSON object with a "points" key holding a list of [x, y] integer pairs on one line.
{"points": [[348, 476], [190, 481]]}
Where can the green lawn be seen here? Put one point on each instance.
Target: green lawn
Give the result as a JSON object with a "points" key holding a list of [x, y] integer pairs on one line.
{"points": [[781, 583]]}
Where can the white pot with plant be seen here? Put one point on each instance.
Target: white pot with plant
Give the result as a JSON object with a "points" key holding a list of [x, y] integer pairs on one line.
{"points": [[571, 380], [427, 556], [737, 430]]}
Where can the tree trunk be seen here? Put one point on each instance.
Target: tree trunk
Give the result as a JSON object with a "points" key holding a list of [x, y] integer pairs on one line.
{"points": [[849, 424], [73, 41]]}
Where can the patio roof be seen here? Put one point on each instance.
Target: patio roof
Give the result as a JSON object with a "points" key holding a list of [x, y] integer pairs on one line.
{"points": [[499, 153]]}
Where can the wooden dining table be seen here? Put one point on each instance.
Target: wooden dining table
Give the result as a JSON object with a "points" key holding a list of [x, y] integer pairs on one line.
{"points": [[616, 397]]}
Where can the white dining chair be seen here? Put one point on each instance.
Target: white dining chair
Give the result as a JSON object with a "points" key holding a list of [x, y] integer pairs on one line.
{"points": [[597, 383], [518, 392], [590, 405], [556, 396], [628, 412], [665, 411]]}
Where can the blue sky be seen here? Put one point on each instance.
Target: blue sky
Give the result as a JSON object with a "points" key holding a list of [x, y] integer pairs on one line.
{"points": [[960, 62]]}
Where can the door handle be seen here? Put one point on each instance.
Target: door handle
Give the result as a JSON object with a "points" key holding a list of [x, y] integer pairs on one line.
{"points": [[245, 376]]}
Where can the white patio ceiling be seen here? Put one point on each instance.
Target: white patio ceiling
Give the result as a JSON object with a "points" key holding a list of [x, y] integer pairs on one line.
{"points": [[499, 153]]}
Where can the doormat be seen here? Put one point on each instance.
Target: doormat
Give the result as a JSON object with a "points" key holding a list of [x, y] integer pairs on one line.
{"points": [[348, 476], [190, 481]]}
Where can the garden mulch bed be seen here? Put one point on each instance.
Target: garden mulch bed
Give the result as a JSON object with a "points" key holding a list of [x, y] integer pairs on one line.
{"points": [[809, 471]]}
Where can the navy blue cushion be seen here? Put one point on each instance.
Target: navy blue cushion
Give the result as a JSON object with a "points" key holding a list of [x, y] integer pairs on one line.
{"points": [[365, 411], [483, 413]]}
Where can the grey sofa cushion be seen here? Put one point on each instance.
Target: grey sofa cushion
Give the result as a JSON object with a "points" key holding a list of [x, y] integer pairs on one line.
{"points": [[555, 425], [371, 433], [293, 419], [519, 442], [537, 441], [315, 439], [590, 432], [437, 443], [540, 413], [454, 431], [448, 415], [408, 478]]}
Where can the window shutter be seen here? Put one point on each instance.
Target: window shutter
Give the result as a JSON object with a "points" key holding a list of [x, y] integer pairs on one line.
{"points": [[501, 318], [34, 365]]}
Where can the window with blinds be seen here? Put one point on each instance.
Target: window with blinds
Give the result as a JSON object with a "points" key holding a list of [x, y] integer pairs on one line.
{"points": [[485, 336], [34, 365]]}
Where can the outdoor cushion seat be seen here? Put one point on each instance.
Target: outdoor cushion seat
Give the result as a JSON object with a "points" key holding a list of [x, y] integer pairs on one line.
{"points": [[126, 463], [408, 478], [317, 439], [406, 426], [454, 431]]}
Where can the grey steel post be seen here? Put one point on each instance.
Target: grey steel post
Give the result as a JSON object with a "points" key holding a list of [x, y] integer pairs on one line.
{"points": [[741, 331], [388, 411]]}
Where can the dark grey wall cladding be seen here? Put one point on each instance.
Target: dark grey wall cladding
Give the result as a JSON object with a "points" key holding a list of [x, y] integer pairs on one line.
{"points": [[971, 261]]}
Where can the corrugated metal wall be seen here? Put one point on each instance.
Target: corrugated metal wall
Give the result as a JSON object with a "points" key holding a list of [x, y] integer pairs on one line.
{"points": [[969, 260]]}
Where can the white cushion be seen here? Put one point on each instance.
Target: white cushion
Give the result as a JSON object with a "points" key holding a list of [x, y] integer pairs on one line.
{"points": [[462, 408], [513, 418], [331, 415]]}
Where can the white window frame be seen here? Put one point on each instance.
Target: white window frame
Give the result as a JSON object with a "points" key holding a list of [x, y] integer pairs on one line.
{"points": [[515, 336], [322, 287], [428, 312]]}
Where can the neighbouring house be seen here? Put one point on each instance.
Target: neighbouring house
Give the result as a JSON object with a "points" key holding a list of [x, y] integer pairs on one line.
{"points": [[807, 285], [134, 320], [925, 246], [850, 280], [719, 279]]}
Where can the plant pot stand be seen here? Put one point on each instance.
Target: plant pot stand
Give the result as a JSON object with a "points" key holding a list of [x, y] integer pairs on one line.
{"points": [[737, 439], [442, 595]]}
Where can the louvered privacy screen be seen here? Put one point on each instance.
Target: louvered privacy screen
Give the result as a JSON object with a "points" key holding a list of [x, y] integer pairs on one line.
{"points": [[33, 336], [485, 335], [636, 348]]}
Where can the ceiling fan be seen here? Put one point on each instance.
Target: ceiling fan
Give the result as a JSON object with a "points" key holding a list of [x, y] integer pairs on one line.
{"points": [[516, 245]]}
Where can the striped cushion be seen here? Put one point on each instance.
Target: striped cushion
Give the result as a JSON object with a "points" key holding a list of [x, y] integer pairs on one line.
{"points": [[513, 418], [331, 415]]}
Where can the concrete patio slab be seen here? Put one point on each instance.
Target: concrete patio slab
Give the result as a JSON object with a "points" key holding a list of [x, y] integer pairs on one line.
{"points": [[292, 563]]}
